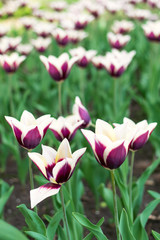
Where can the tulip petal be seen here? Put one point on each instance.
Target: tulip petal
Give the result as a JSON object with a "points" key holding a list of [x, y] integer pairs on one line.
{"points": [[138, 142], [56, 134], [78, 154], [90, 137], [32, 138], [105, 128], [49, 154], [62, 170], [40, 162], [64, 151], [39, 194], [53, 71], [27, 118], [99, 152]]}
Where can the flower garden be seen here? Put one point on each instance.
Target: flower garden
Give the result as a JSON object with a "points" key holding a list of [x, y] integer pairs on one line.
{"points": [[79, 120]]}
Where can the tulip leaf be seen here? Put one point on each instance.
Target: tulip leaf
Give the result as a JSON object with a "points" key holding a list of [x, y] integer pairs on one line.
{"points": [[61, 233], [6, 192], [8, 232], [141, 220], [36, 236], [95, 230], [33, 221], [90, 235], [156, 235], [154, 194], [124, 227]]}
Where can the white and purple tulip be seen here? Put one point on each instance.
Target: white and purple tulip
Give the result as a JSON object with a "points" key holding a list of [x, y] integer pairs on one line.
{"points": [[152, 30], [56, 166], [43, 29], [58, 68], [24, 49], [122, 27], [81, 113], [109, 144], [118, 41], [61, 36], [58, 5], [29, 131], [97, 61], [140, 131], [116, 62], [12, 42], [28, 22], [82, 20], [84, 56], [10, 63], [41, 44], [65, 127]]}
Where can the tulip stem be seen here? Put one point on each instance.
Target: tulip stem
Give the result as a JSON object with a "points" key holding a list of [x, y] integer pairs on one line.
{"points": [[31, 179], [116, 220], [114, 97], [60, 97], [10, 94], [64, 214], [130, 184]]}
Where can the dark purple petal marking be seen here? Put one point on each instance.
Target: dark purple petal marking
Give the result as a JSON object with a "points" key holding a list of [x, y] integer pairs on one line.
{"points": [[116, 157], [18, 134], [120, 71], [99, 149], [140, 141], [84, 115], [45, 129], [64, 173], [83, 62], [117, 45], [57, 135], [65, 132], [53, 71], [32, 139], [41, 49], [49, 170], [50, 186], [62, 41], [64, 69], [7, 67], [73, 133]]}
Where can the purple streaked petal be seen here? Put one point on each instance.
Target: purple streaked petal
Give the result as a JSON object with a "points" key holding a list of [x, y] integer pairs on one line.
{"points": [[53, 71], [99, 151], [116, 157], [83, 62], [65, 132], [64, 68], [140, 141], [120, 71], [32, 138], [18, 134], [45, 129], [57, 135], [39, 194], [84, 115], [62, 171], [74, 131]]}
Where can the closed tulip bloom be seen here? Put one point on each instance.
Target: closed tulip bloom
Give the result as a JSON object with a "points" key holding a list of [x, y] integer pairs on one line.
{"points": [[118, 40], [117, 61], [122, 27], [109, 144], [29, 131], [61, 36], [82, 20], [81, 113], [58, 68], [12, 42], [141, 132], [65, 127], [97, 61], [41, 44], [56, 166], [152, 30], [84, 56], [10, 63]]}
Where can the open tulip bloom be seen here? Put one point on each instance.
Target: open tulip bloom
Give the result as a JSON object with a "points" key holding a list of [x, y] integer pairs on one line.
{"points": [[141, 132], [29, 131], [152, 30], [56, 167], [58, 68], [118, 40], [10, 63], [110, 145], [65, 127]]}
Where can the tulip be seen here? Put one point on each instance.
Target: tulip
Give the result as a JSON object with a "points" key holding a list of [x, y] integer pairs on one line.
{"points": [[65, 127], [58, 68], [24, 49], [12, 42], [118, 40], [61, 36], [122, 26], [152, 31], [84, 56], [29, 131], [3, 47], [43, 29], [81, 21], [141, 132], [116, 61], [95, 9], [10, 63], [81, 113], [110, 145], [56, 167], [41, 44], [28, 22], [97, 61], [58, 5], [3, 30], [76, 36]]}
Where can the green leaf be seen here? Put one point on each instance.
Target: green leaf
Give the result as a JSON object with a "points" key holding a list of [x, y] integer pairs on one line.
{"points": [[154, 194], [33, 221], [36, 236], [156, 235], [61, 233], [54, 223], [124, 227], [97, 232], [90, 235], [6, 192], [8, 232]]}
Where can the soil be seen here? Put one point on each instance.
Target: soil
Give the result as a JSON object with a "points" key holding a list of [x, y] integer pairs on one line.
{"points": [[143, 159]]}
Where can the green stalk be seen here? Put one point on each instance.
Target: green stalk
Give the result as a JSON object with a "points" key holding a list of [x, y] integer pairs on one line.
{"points": [[11, 107], [31, 179], [116, 220], [114, 97], [64, 214], [60, 97], [130, 184]]}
